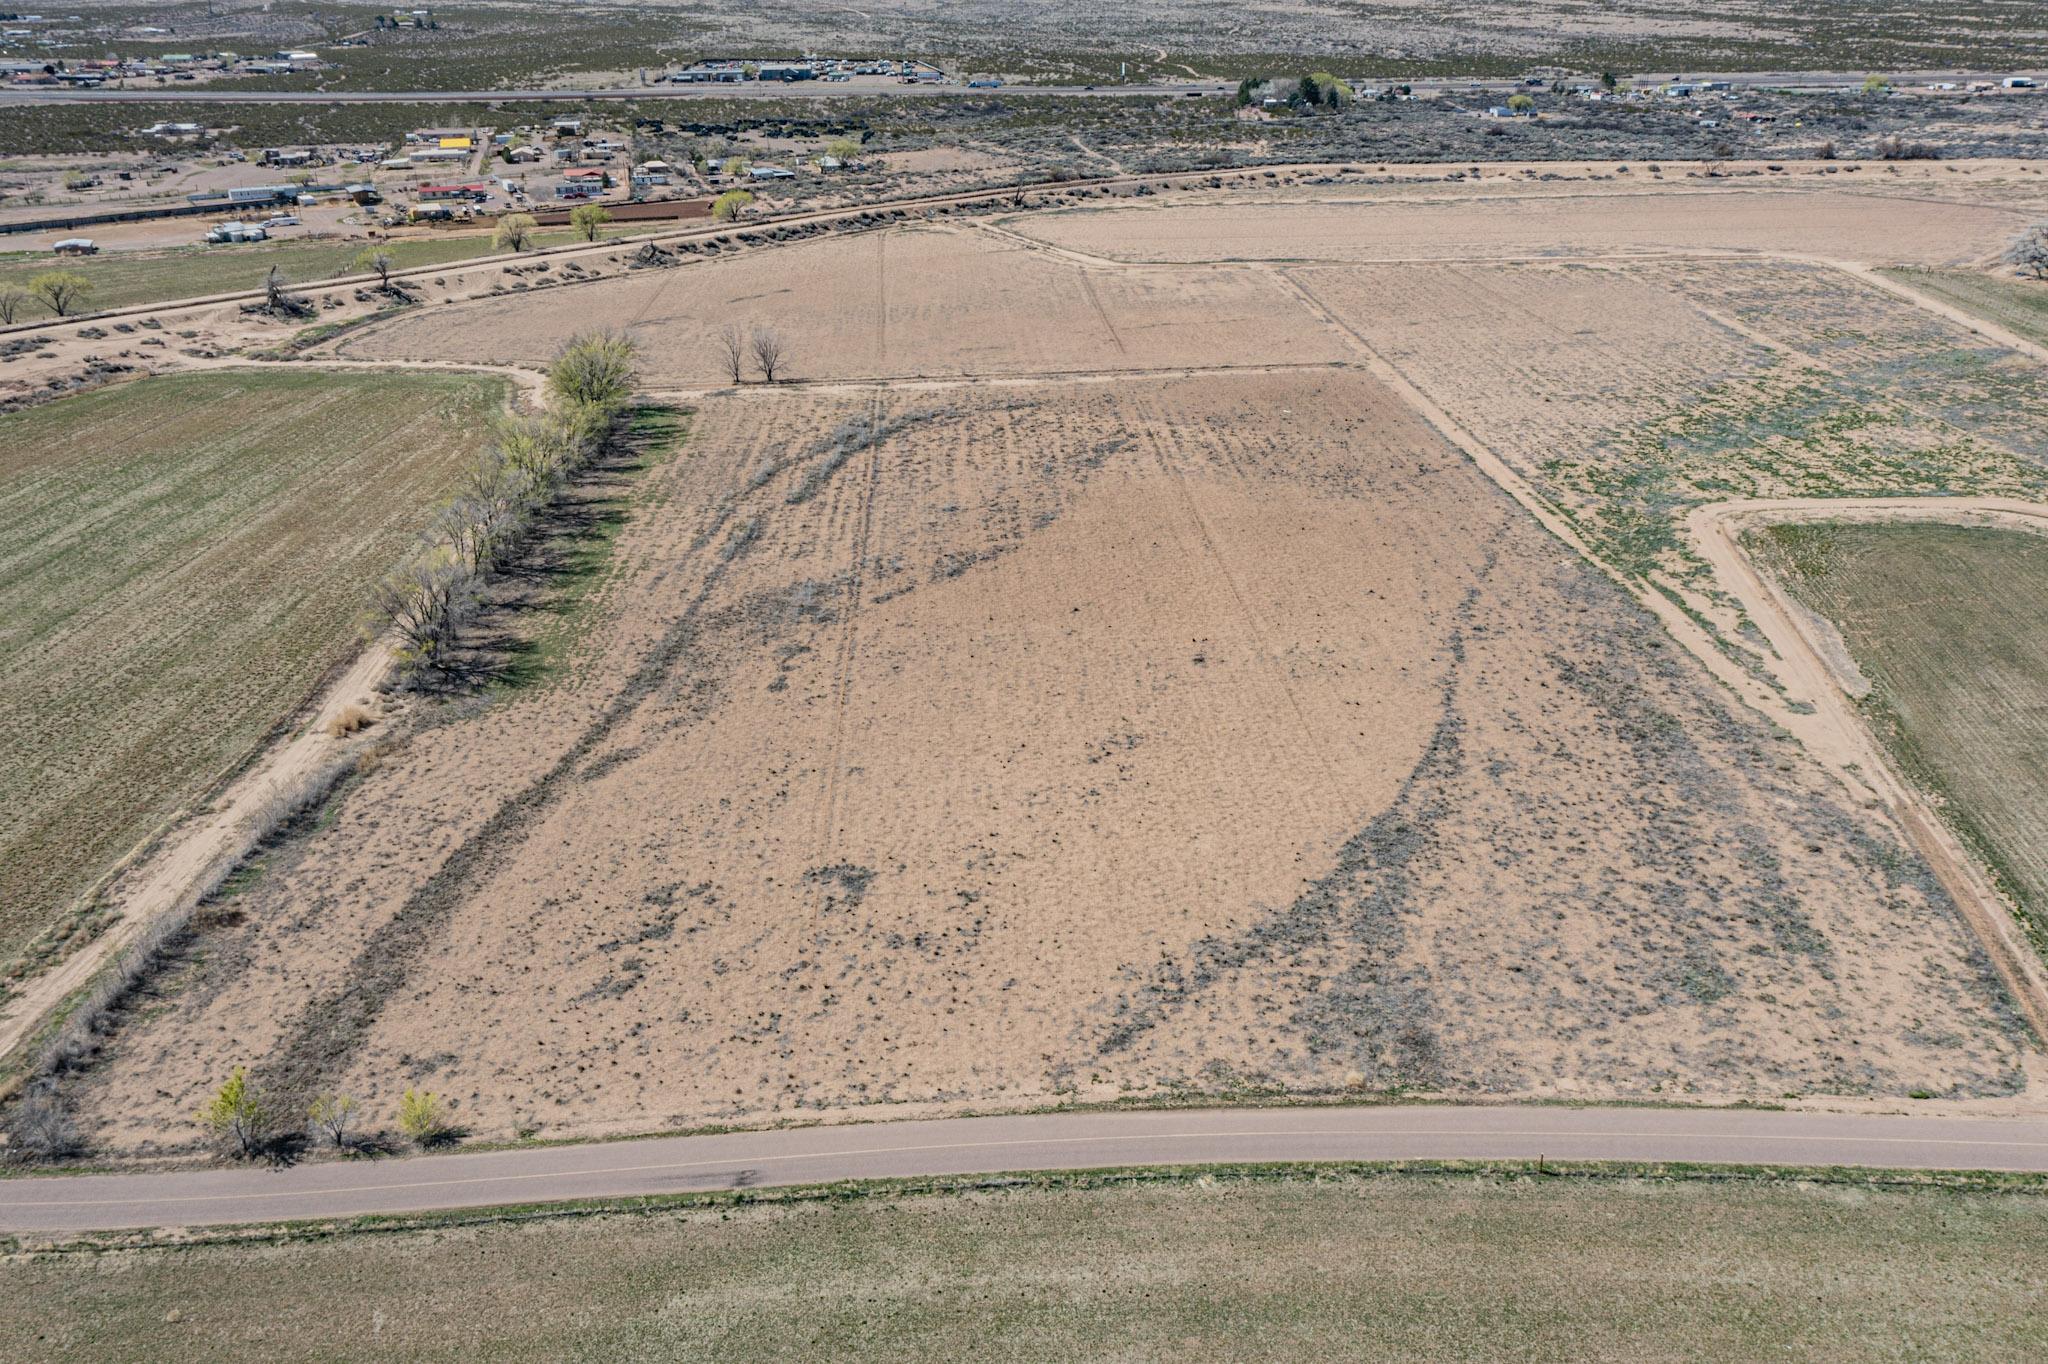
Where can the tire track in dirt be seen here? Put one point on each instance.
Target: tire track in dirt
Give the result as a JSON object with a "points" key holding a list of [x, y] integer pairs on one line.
{"points": [[1269, 662], [848, 650], [1095, 302]]}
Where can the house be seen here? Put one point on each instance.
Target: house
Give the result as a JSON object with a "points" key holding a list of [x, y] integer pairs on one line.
{"points": [[524, 154], [786, 71], [76, 246], [570, 126], [770, 173], [579, 189], [590, 175]]}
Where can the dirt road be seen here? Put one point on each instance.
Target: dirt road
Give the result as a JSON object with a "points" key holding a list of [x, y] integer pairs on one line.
{"points": [[1053, 1141], [1818, 709]]}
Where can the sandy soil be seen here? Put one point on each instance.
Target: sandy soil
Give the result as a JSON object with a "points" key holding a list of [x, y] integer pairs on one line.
{"points": [[1213, 721], [1141, 736], [1835, 223], [931, 301]]}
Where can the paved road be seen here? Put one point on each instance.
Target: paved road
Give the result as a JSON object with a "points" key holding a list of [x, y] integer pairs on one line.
{"points": [[1061, 1141], [226, 93]]}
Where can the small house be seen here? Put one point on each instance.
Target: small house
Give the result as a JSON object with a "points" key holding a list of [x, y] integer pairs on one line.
{"points": [[76, 246]]}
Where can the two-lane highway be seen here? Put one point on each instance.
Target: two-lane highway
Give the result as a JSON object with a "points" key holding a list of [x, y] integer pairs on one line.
{"points": [[1026, 1142]]}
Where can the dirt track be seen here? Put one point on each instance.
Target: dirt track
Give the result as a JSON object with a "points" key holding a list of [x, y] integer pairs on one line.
{"points": [[1834, 732]]}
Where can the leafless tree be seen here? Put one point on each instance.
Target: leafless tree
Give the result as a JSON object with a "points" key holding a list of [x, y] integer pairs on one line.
{"points": [[731, 341], [40, 1127], [278, 297], [768, 351], [2029, 251], [378, 263], [13, 298]]}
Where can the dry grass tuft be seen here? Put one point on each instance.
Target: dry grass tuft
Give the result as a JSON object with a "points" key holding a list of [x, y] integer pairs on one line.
{"points": [[351, 720]]}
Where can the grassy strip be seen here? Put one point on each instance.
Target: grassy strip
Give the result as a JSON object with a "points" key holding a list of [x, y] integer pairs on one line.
{"points": [[2019, 305]]}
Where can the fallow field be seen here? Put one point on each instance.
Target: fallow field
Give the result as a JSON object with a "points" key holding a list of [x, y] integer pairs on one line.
{"points": [[1185, 674], [181, 560]]}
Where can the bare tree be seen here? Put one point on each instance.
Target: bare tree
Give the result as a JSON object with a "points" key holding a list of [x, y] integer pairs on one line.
{"points": [[2029, 251], [378, 263], [731, 341], [768, 351], [278, 297], [40, 1127]]}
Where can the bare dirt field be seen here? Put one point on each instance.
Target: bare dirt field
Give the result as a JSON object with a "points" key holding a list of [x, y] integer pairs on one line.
{"points": [[1152, 678], [1164, 734], [925, 302], [1323, 226]]}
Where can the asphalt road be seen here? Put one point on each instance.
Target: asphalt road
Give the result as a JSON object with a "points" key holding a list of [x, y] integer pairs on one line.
{"points": [[226, 93], [1060, 1141]]}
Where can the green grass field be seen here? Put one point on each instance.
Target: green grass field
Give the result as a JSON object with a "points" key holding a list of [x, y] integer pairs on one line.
{"points": [[1950, 626], [181, 559], [129, 278], [2019, 305], [1279, 1267]]}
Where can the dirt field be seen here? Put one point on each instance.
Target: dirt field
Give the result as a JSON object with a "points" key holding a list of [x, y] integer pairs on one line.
{"points": [[1079, 739], [1799, 219], [182, 559], [1357, 1267], [1094, 678], [926, 302], [1944, 625]]}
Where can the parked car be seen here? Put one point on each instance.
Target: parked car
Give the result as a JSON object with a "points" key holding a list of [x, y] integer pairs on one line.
{"points": [[282, 220]]}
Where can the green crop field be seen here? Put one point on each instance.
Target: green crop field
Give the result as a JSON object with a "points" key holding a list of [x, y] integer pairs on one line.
{"points": [[2019, 305], [1950, 626], [181, 559], [1350, 1266], [127, 279]]}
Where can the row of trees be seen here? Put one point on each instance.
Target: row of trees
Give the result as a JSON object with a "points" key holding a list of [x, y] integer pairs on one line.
{"points": [[425, 601], [737, 344], [242, 1119], [516, 231], [1317, 89], [63, 292]]}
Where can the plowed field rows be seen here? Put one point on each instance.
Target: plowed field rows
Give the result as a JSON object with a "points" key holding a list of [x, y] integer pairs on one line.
{"points": [[180, 561]]}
